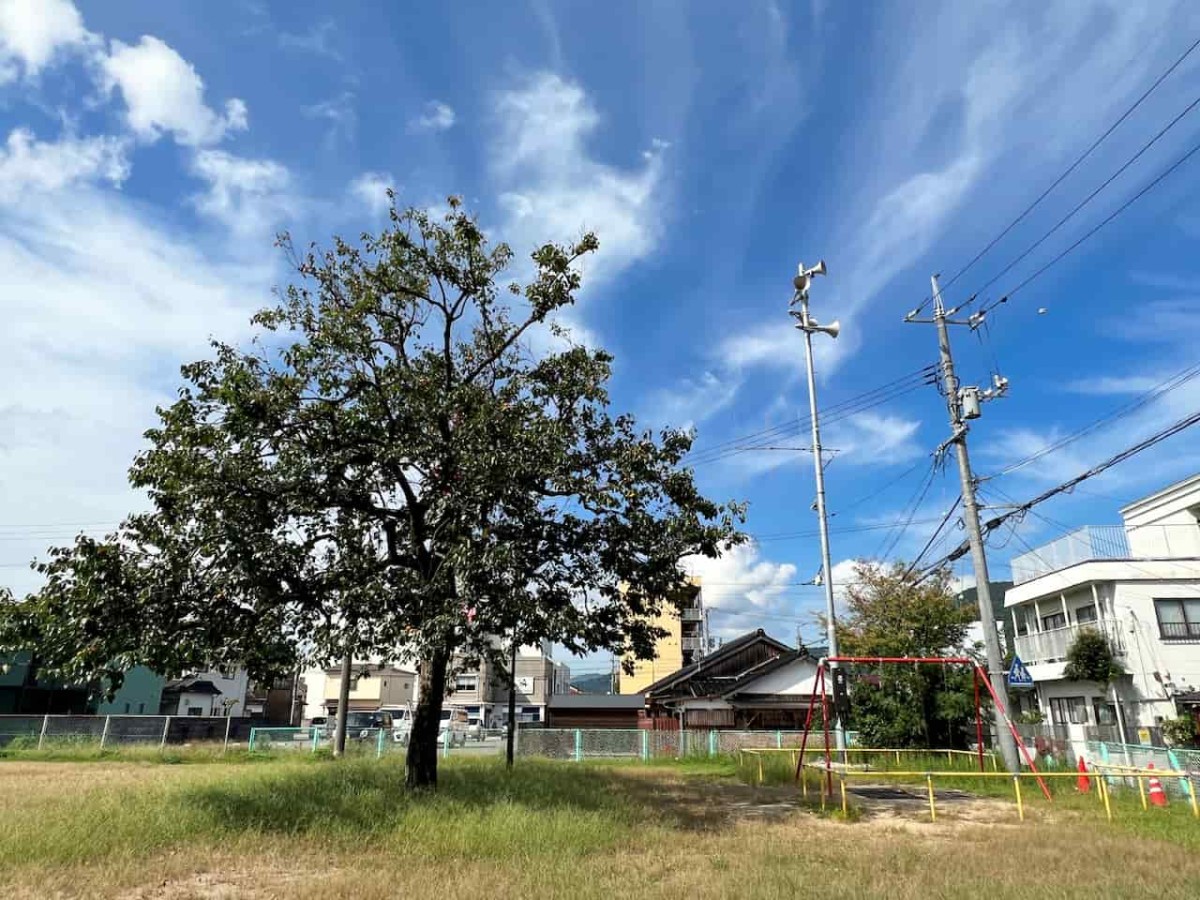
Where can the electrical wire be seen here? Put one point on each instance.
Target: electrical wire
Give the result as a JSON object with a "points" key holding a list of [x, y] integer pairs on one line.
{"points": [[1071, 168], [932, 538], [890, 540], [1088, 234], [1086, 200], [992, 524], [1159, 390], [835, 412]]}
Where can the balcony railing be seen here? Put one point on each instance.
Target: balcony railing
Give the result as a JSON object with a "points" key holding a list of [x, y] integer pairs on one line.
{"points": [[692, 643], [1051, 646], [1083, 544], [691, 615]]}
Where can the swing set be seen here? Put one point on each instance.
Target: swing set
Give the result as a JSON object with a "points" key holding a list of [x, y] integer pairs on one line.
{"points": [[979, 676]]}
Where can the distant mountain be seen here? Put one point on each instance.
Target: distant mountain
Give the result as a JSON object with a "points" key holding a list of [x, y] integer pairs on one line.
{"points": [[593, 684]]}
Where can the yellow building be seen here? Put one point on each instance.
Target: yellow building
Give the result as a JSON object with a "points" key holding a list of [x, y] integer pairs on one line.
{"points": [[685, 642]]}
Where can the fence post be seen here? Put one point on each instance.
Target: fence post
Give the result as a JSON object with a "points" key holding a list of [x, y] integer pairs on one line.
{"points": [[228, 722], [42, 736], [712, 742], [166, 725], [316, 737], [104, 733], [379, 744], [778, 740], [251, 746], [578, 745], [446, 742], [645, 745]]}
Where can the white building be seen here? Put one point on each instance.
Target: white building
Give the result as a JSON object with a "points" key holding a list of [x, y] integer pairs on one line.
{"points": [[211, 693], [1136, 583]]}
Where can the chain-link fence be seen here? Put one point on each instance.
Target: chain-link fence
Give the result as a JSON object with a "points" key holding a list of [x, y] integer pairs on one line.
{"points": [[47, 732], [1111, 756], [581, 744]]}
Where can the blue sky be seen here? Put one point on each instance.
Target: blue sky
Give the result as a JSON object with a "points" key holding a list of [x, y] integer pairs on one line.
{"points": [[150, 150]]}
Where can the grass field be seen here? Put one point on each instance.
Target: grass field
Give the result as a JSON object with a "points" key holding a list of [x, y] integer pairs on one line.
{"points": [[308, 828]]}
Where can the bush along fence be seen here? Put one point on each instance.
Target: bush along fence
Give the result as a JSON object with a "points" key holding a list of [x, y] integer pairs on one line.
{"points": [[112, 732]]}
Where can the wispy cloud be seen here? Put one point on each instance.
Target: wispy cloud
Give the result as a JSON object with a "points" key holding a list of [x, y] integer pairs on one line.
{"points": [[321, 39], [33, 32], [552, 187], [340, 112], [436, 116], [370, 191]]}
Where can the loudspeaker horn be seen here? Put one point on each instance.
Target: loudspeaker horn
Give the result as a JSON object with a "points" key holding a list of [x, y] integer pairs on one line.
{"points": [[832, 329]]}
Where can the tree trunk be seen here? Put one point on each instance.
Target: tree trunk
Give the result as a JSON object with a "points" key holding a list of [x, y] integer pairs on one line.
{"points": [[511, 735], [339, 733], [421, 765]]}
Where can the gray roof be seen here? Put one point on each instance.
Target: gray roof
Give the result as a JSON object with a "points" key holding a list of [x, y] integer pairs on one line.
{"points": [[597, 701]]}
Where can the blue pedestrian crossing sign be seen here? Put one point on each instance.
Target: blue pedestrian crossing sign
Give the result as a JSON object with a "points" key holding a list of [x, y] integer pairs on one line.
{"points": [[1018, 675]]}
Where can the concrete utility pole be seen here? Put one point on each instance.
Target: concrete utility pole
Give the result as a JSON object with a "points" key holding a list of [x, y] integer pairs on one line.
{"points": [[808, 325], [339, 733], [963, 404]]}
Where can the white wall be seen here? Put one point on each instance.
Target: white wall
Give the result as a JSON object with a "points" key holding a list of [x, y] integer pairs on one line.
{"points": [[233, 687], [1166, 523], [794, 679], [314, 693]]}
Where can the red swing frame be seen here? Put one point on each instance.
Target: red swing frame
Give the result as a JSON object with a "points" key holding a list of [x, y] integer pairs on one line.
{"points": [[979, 676]]}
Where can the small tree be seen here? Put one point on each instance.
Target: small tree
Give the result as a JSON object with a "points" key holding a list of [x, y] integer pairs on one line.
{"points": [[907, 706], [1090, 658]]}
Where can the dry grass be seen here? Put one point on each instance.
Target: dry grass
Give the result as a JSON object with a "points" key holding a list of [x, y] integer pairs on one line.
{"points": [[305, 830]]}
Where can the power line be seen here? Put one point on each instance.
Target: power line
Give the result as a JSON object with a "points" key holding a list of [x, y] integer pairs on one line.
{"points": [[1071, 168], [1124, 206], [890, 540], [933, 537], [1088, 199], [992, 524], [835, 412], [1162, 388]]}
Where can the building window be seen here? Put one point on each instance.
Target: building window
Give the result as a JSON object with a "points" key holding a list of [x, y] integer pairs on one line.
{"points": [[1106, 713], [1178, 619], [126, 709], [1064, 710], [195, 711], [1085, 615], [1054, 620], [141, 708], [466, 682]]}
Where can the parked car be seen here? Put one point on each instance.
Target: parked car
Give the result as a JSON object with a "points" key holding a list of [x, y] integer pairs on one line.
{"points": [[362, 725], [401, 723], [475, 727], [453, 726]]}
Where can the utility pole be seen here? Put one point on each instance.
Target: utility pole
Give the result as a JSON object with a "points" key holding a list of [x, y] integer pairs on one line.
{"points": [[963, 404], [807, 324], [510, 736]]}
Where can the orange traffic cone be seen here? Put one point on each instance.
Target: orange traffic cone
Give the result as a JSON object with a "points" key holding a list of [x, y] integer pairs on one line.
{"points": [[1158, 797], [1083, 782]]}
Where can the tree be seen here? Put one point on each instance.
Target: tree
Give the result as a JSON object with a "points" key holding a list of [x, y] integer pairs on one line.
{"points": [[388, 468], [901, 705], [1090, 658]]}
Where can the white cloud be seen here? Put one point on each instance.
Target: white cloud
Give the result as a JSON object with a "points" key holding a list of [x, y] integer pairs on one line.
{"points": [[249, 196], [370, 191], [690, 402], [164, 94], [318, 40], [753, 592], [32, 32], [339, 112], [437, 116], [551, 187], [102, 304], [870, 438], [29, 165]]}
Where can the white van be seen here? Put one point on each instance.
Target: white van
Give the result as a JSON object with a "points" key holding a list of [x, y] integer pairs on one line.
{"points": [[454, 726], [402, 719]]}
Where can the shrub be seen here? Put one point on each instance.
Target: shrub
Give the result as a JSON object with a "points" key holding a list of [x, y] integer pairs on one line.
{"points": [[1090, 658], [1180, 732]]}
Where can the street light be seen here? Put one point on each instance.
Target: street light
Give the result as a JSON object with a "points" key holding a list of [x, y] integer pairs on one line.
{"points": [[807, 324]]}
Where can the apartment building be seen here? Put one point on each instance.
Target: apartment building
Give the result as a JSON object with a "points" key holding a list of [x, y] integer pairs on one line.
{"points": [[686, 641], [1138, 584]]}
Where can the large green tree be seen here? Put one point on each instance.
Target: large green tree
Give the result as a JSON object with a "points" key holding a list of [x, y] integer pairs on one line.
{"points": [[388, 467], [902, 705]]}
